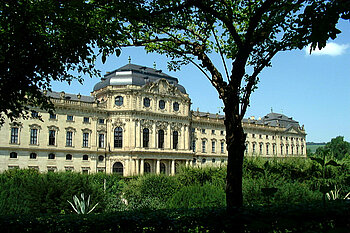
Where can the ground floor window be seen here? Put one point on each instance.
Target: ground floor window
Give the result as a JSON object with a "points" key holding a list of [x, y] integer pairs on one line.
{"points": [[118, 168]]}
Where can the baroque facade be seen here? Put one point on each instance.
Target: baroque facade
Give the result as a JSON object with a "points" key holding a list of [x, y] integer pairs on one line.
{"points": [[137, 120]]}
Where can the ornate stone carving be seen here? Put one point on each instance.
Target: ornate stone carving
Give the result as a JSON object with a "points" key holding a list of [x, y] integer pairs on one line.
{"points": [[118, 123], [176, 127], [162, 125]]}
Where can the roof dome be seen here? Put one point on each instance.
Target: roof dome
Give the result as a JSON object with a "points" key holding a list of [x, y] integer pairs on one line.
{"points": [[132, 74]]}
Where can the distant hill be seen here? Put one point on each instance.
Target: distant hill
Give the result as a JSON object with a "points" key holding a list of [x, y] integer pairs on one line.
{"points": [[314, 145]]}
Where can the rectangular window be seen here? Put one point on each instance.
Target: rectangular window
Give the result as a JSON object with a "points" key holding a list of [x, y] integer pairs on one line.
{"points": [[222, 147], [101, 140], [253, 135], [101, 121], [203, 146], [260, 148], [70, 118], [274, 149], [253, 148], [267, 149], [14, 135], [260, 136], [52, 137], [221, 132], [86, 120], [85, 139], [53, 116], [33, 136], [267, 136], [213, 146], [203, 131], [194, 145], [69, 138], [213, 131]]}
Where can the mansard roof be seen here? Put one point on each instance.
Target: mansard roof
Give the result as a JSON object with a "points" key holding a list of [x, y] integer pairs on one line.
{"points": [[132, 74], [278, 119], [67, 96], [271, 119]]}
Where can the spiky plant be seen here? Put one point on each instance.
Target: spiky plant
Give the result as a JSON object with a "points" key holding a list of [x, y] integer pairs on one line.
{"points": [[82, 206]]}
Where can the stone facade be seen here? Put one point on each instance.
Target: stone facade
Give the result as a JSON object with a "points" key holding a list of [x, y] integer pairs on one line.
{"points": [[138, 120]]}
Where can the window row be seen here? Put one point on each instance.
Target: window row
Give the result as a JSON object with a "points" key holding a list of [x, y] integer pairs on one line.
{"points": [[52, 138], [204, 160], [53, 116], [119, 101], [213, 131], [14, 155], [298, 150], [204, 146], [145, 136]]}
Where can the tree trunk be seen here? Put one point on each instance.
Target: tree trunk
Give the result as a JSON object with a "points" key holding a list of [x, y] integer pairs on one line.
{"points": [[235, 139]]}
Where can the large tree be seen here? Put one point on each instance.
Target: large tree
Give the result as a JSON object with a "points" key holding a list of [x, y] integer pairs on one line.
{"points": [[47, 40], [246, 35]]}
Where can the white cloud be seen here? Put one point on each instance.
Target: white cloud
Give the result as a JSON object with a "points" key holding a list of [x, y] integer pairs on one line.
{"points": [[331, 49]]}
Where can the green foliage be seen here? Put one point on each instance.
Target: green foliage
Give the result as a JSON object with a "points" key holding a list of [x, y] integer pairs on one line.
{"points": [[284, 218], [198, 196], [202, 175], [82, 206], [149, 191], [339, 148], [27, 191]]}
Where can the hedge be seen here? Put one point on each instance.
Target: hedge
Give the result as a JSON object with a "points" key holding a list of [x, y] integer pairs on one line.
{"points": [[335, 217]]}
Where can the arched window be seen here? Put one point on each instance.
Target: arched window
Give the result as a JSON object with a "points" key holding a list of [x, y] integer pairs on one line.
{"points": [[118, 168], [32, 156], [175, 139], [119, 100], [145, 137], [161, 104], [13, 155], [101, 158], [118, 137], [85, 157], [161, 138], [147, 167], [162, 168], [176, 106], [69, 157], [51, 156], [146, 102]]}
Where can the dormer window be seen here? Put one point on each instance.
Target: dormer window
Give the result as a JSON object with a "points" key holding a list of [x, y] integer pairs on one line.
{"points": [[119, 100], [161, 104]]}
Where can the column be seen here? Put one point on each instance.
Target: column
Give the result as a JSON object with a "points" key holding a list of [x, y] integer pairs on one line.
{"points": [[142, 168], [183, 134], [187, 163], [137, 166], [158, 166], [173, 167]]}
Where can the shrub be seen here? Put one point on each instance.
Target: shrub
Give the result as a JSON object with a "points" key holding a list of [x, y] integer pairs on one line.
{"points": [[198, 196]]}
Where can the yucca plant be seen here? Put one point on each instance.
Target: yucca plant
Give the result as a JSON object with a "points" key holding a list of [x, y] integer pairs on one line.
{"points": [[82, 206], [334, 194]]}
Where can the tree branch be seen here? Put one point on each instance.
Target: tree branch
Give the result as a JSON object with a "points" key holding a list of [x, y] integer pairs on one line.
{"points": [[221, 55]]}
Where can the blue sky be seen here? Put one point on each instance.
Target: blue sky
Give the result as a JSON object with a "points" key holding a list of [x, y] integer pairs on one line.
{"points": [[313, 89]]}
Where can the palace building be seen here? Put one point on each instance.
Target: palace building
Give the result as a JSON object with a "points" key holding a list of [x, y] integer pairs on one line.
{"points": [[137, 120]]}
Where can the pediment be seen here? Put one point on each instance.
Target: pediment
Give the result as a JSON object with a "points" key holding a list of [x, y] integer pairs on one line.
{"points": [[293, 130], [162, 87]]}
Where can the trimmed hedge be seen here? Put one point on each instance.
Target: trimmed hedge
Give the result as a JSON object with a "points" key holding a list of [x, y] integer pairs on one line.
{"points": [[296, 218]]}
